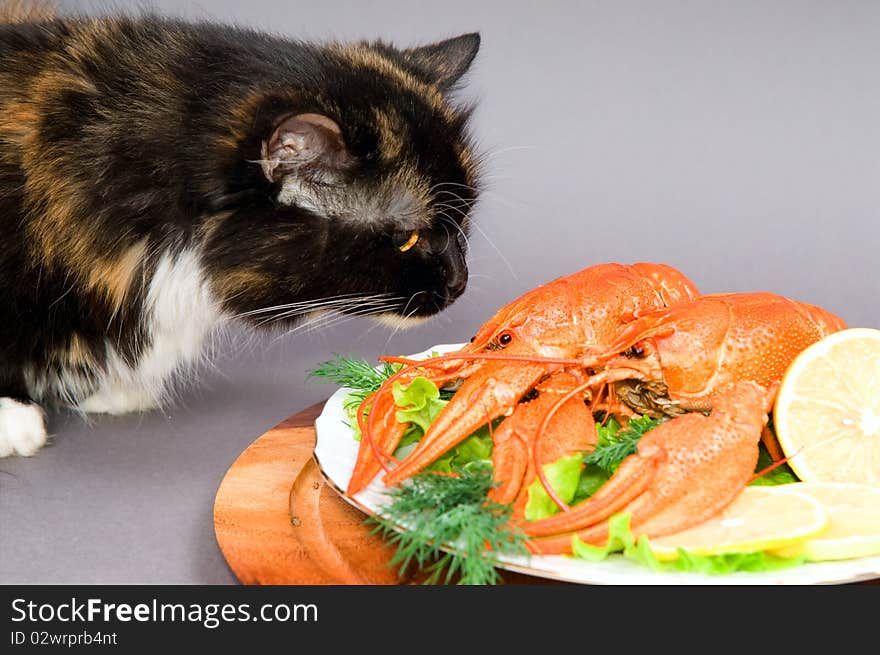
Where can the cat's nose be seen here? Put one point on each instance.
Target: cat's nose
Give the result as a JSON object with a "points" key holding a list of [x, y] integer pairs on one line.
{"points": [[456, 282], [454, 271]]}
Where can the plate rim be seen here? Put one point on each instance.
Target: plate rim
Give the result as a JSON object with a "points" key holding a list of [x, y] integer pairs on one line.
{"points": [[609, 576]]}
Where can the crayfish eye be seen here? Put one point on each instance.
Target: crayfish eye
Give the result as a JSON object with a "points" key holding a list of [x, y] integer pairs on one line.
{"points": [[497, 343], [636, 352]]}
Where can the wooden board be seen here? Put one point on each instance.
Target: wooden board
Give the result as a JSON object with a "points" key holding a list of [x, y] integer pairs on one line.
{"points": [[278, 522]]}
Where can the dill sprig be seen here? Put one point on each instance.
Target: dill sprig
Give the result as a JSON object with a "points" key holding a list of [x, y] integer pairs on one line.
{"points": [[615, 444], [447, 526], [356, 374]]}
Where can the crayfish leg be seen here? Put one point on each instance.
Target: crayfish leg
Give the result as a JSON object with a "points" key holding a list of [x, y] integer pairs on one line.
{"points": [[570, 431], [703, 463]]}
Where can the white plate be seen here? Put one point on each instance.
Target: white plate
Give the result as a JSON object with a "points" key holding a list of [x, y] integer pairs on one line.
{"points": [[336, 452]]}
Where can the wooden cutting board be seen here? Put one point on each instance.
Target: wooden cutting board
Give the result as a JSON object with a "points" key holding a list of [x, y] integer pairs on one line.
{"points": [[278, 522]]}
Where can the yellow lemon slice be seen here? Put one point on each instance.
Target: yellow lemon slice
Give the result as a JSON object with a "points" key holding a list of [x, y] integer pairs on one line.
{"points": [[853, 528], [827, 413], [760, 518]]}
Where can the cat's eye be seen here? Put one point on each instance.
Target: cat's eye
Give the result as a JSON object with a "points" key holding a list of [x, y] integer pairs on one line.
{"points": [[403, 241]]}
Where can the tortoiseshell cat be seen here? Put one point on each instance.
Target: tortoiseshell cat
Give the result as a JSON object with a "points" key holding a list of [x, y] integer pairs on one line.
{"points": [[159, 177]]}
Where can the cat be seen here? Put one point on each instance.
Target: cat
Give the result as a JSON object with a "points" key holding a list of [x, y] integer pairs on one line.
{"points": [[160, 178]]}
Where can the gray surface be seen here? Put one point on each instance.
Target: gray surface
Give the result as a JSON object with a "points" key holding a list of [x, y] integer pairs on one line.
{"points": [[737, 141]]}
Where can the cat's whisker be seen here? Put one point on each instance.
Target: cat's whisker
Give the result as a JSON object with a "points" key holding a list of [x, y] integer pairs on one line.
{"points": [[298, 303], [440, 185], [350, 308], [298, 328], [293, 313], [340, 319], [461, 207], [454, 201], [376, 325], [365, 304], [489, 154], [322, 321], [450, 183], [411, 298], [396, 330], [511, 203], [288, 315], [450, 204], [307, 305], [332, 319], [264, 310], [497, 250], [455, 195], [448, 238], [462, 214], [461, 222], [444, 218]]}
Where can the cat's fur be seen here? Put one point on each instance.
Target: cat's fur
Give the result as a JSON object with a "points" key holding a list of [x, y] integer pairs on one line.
{"points": [[158, 178]]}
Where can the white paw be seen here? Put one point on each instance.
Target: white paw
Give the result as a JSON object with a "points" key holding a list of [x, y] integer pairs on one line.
{"points": [[118, 399], [22, 428]]}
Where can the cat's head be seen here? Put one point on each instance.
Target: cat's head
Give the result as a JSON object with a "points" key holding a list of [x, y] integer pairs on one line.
{"points": [[358, 183]]}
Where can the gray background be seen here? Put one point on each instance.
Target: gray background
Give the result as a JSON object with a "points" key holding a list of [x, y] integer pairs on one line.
{"points": [[736, 141]]}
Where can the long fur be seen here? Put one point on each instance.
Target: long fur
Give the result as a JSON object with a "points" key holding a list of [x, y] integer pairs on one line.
{"points": [[25, 11], [138, 217]]}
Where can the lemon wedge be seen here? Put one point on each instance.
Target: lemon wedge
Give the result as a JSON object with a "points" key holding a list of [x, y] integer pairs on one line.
{"points": [[827, 412], [760, 518], [853, 528]]}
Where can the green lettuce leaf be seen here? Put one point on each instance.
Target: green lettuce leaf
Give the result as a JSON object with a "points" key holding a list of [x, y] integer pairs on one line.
{"points": [[473, 453], [563, 475], [420, 400], [350, 408], [729, 563], [605, 431], [408, 441], [620, 538], [592, 477]]}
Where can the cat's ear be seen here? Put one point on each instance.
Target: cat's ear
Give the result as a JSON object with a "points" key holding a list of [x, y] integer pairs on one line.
{"points": [[301, 141], [445, 62]]}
